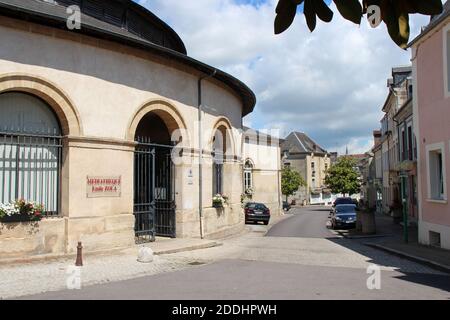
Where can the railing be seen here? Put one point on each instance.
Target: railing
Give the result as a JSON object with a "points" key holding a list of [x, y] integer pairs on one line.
{"points": [[30, 167]]}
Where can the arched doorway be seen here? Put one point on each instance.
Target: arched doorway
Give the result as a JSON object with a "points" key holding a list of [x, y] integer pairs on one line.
{"points": [[30, 151], [154, 194]]}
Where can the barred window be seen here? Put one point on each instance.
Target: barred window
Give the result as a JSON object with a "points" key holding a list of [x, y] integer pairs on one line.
{"points": [[30, 151]]}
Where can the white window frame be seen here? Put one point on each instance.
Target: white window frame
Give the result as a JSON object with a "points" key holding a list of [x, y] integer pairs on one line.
{"points": [[432, 148], [446, 48], [248, 175]]}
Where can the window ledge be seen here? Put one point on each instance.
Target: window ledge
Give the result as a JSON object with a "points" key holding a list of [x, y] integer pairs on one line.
{"points": [[440, 201]]}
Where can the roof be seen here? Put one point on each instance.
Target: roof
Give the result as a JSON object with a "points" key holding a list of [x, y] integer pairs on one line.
{"points": [[258, 135], [121, 17], [403, 73], [404, 111], [165, 42], [299, 142], [434, 22], [356, 156]]}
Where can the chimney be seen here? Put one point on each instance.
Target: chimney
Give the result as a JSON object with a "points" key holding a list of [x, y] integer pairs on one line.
{"points": [[376, 137]]}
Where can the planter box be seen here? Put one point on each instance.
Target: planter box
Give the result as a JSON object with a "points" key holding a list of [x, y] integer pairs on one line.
{"points": [[19, 218]]}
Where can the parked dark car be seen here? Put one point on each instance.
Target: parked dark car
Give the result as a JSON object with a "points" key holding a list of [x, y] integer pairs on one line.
{"points": [[256, 212], [286, 206], [344, 216], [343, 200]]}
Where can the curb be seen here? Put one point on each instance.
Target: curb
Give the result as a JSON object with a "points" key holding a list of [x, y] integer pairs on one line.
{"points": [[429, 263], [115, 251], [191, 248], [368, 236]]}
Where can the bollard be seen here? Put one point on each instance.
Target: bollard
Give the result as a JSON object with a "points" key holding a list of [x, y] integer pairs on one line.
{"points": [[79, 262]]}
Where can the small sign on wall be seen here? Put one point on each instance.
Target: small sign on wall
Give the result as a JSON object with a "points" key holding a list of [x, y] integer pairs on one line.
{"points": [[98, 187], [190, 177]]}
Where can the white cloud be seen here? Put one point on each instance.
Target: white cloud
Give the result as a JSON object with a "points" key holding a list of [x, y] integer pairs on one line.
{"points": [[330, 83]]}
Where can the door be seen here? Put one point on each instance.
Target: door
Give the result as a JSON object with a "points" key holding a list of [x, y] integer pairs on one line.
{"points": [[154, 195]]}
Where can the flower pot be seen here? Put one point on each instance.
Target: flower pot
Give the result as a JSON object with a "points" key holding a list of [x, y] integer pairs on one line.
{"points": [[217, 205]]}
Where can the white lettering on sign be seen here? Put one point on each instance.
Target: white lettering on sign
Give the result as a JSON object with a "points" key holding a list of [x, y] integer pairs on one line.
{"points": [[104, 187]]}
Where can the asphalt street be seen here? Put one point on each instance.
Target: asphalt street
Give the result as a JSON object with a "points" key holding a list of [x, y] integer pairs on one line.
{"points": [[299, 258], [304, 223]]}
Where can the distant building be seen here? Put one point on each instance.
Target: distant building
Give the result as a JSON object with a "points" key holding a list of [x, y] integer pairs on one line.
{"points": [[375, 198], [400, 91], [312, 161], [407, 161], [261, 172], [431, 109]]}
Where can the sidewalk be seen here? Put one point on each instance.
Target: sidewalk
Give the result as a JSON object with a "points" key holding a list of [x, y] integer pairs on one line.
{"points": [[392, 241], [36, 277], [168, 246]]}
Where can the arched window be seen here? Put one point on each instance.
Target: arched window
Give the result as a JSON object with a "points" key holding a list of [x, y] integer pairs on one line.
{"points": [[219, 155], [30, 151], [248, 177]]}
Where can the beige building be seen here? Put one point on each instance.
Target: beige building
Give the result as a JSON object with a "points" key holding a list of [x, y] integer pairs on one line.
{"points": [[400, 88], [305, 156], [262, 169], [101, 125]]}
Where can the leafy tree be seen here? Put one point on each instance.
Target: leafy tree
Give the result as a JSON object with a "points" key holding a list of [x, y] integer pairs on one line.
{"points": [[394, 13], [291, 181], [342, 177]]}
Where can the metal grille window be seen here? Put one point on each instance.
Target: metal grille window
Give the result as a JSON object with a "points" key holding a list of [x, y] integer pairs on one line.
{"points": [[30, 152]]}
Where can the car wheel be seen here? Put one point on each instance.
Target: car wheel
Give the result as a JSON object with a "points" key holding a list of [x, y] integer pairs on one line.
{"points": [[266, 223]]}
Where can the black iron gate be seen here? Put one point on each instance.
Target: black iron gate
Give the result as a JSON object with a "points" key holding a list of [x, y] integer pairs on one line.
{"points": [[154, 196]]}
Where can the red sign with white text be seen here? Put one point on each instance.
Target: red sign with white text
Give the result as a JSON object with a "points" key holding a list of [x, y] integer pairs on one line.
{"points": [[103, 187]]}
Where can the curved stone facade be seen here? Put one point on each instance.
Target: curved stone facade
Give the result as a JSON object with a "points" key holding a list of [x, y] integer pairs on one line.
{"points": [[100, 90]]}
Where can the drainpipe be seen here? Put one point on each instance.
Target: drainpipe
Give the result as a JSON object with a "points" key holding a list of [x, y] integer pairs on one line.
{"points": [[200, 150]]}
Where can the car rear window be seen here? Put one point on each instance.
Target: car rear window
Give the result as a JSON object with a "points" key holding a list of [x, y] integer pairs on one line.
{"points": [[256, 206], [345, 209], [344, 201]]}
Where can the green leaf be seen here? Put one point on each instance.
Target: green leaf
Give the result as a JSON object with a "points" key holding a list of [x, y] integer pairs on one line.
{"points": [[286, 11], [323, 11], [403, 22], [310, 14], [395, 20], [350, 10], [427, 7]]}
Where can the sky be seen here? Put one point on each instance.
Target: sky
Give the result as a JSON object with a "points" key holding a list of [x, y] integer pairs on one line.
{"points": [[330, 84]]}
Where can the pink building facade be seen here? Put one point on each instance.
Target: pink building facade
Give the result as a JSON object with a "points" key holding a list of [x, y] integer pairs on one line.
{"points": [[431, 72]]}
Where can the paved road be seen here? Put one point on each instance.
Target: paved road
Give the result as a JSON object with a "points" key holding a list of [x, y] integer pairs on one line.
{"points": [[287, 264], [251, 280], [305, 223]]}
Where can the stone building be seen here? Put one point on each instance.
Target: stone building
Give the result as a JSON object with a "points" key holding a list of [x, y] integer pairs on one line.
{"points": [[305, 156], [113, 128], [407, 164], [375, 180], [262, 169], [400, 89]]}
